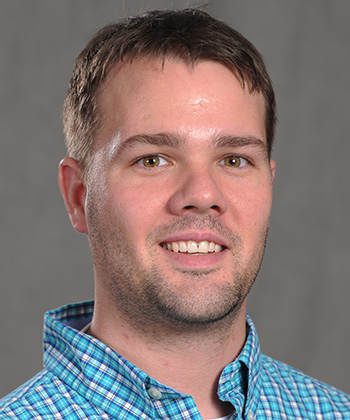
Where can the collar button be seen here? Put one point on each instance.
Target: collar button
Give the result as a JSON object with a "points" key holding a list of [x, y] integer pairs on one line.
{"points": [[154, 393]]}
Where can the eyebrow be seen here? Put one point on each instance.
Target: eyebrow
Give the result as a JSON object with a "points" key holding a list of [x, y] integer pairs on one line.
{"points": [[175, 141], [239, 141], [159, 139]]}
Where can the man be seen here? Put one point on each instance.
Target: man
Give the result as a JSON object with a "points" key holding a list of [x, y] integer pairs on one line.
{"points": [[169, 121]]}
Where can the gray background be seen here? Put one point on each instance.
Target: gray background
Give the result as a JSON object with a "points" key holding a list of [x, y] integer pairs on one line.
{"points": [[300, 302]]}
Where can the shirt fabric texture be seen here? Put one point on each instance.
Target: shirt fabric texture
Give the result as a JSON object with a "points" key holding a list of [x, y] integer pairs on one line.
{"points": [[85, 379]]}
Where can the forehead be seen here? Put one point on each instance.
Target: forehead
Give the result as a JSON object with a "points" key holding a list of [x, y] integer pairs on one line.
{"points": [[151, 96]]}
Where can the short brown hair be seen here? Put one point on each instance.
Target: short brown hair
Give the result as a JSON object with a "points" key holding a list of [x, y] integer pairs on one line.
{"points": [[190, 35]]}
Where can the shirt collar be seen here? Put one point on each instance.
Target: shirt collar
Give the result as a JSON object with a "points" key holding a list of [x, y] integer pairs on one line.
{"points": [[99, 374], [240, 381]]}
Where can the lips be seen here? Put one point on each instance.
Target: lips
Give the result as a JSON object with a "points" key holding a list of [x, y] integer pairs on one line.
{"points": [[192, 247]]}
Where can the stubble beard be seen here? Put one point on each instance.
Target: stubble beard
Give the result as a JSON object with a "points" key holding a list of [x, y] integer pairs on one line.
{"points": [[150, 301]]}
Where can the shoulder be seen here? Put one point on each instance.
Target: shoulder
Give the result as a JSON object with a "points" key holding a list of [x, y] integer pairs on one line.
{"points": [[299, 394], [29, 400], [40, 398]]}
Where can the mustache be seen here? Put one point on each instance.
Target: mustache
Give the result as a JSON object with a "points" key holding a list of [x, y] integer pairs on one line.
{"points": [[195, 222]]}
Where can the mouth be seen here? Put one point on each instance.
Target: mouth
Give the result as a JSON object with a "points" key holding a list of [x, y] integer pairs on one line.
{"points": [[193, 247]]}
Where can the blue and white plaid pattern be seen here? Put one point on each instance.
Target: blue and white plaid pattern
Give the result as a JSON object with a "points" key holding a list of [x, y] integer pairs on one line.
{"points": [[85, 379]]}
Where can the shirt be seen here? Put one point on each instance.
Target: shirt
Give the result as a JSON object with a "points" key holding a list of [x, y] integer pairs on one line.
{"points": [[85, 379]]}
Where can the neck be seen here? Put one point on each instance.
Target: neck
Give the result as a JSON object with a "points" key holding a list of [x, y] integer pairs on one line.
{"points": [[165, 354]]}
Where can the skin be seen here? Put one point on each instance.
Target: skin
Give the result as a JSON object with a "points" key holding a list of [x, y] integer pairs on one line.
{"points": [[182, 155]]}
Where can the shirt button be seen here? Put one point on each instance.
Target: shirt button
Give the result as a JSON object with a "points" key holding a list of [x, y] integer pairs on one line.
{"points": [[251, 416], [154, 393]]}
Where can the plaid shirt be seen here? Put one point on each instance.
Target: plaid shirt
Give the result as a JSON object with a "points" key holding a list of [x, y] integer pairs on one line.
{"points": [[85, 379]]}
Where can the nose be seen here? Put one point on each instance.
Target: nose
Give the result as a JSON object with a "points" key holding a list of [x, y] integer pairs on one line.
{"points": [[198, 192]]}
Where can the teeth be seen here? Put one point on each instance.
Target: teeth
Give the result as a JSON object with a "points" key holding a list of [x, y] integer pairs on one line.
{"points": [[203, 246], [192, 247], [217, 248], [182, 246]]}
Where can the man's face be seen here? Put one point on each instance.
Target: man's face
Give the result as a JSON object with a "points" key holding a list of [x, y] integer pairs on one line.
{"points": [[179, 193]]}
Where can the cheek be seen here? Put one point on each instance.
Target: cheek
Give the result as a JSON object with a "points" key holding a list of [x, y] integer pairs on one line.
{"points": [[138, 208], [250, 206]]}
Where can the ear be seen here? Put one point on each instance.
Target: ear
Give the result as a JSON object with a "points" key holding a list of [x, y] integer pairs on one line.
{"points": [[70, 178], [273, 169]]}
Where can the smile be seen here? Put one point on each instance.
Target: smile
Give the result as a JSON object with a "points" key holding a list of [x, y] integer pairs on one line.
{"points": [[192, 247]]}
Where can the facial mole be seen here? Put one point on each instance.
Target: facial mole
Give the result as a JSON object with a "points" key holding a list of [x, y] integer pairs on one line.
{"points": [[146, 116]]}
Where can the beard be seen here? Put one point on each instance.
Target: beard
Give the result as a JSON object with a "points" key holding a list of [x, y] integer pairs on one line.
{"points": [[148, 297]]}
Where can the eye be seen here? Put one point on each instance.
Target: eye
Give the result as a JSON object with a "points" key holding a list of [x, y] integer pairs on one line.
{"points": [[152, 161], [234, 161]]}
